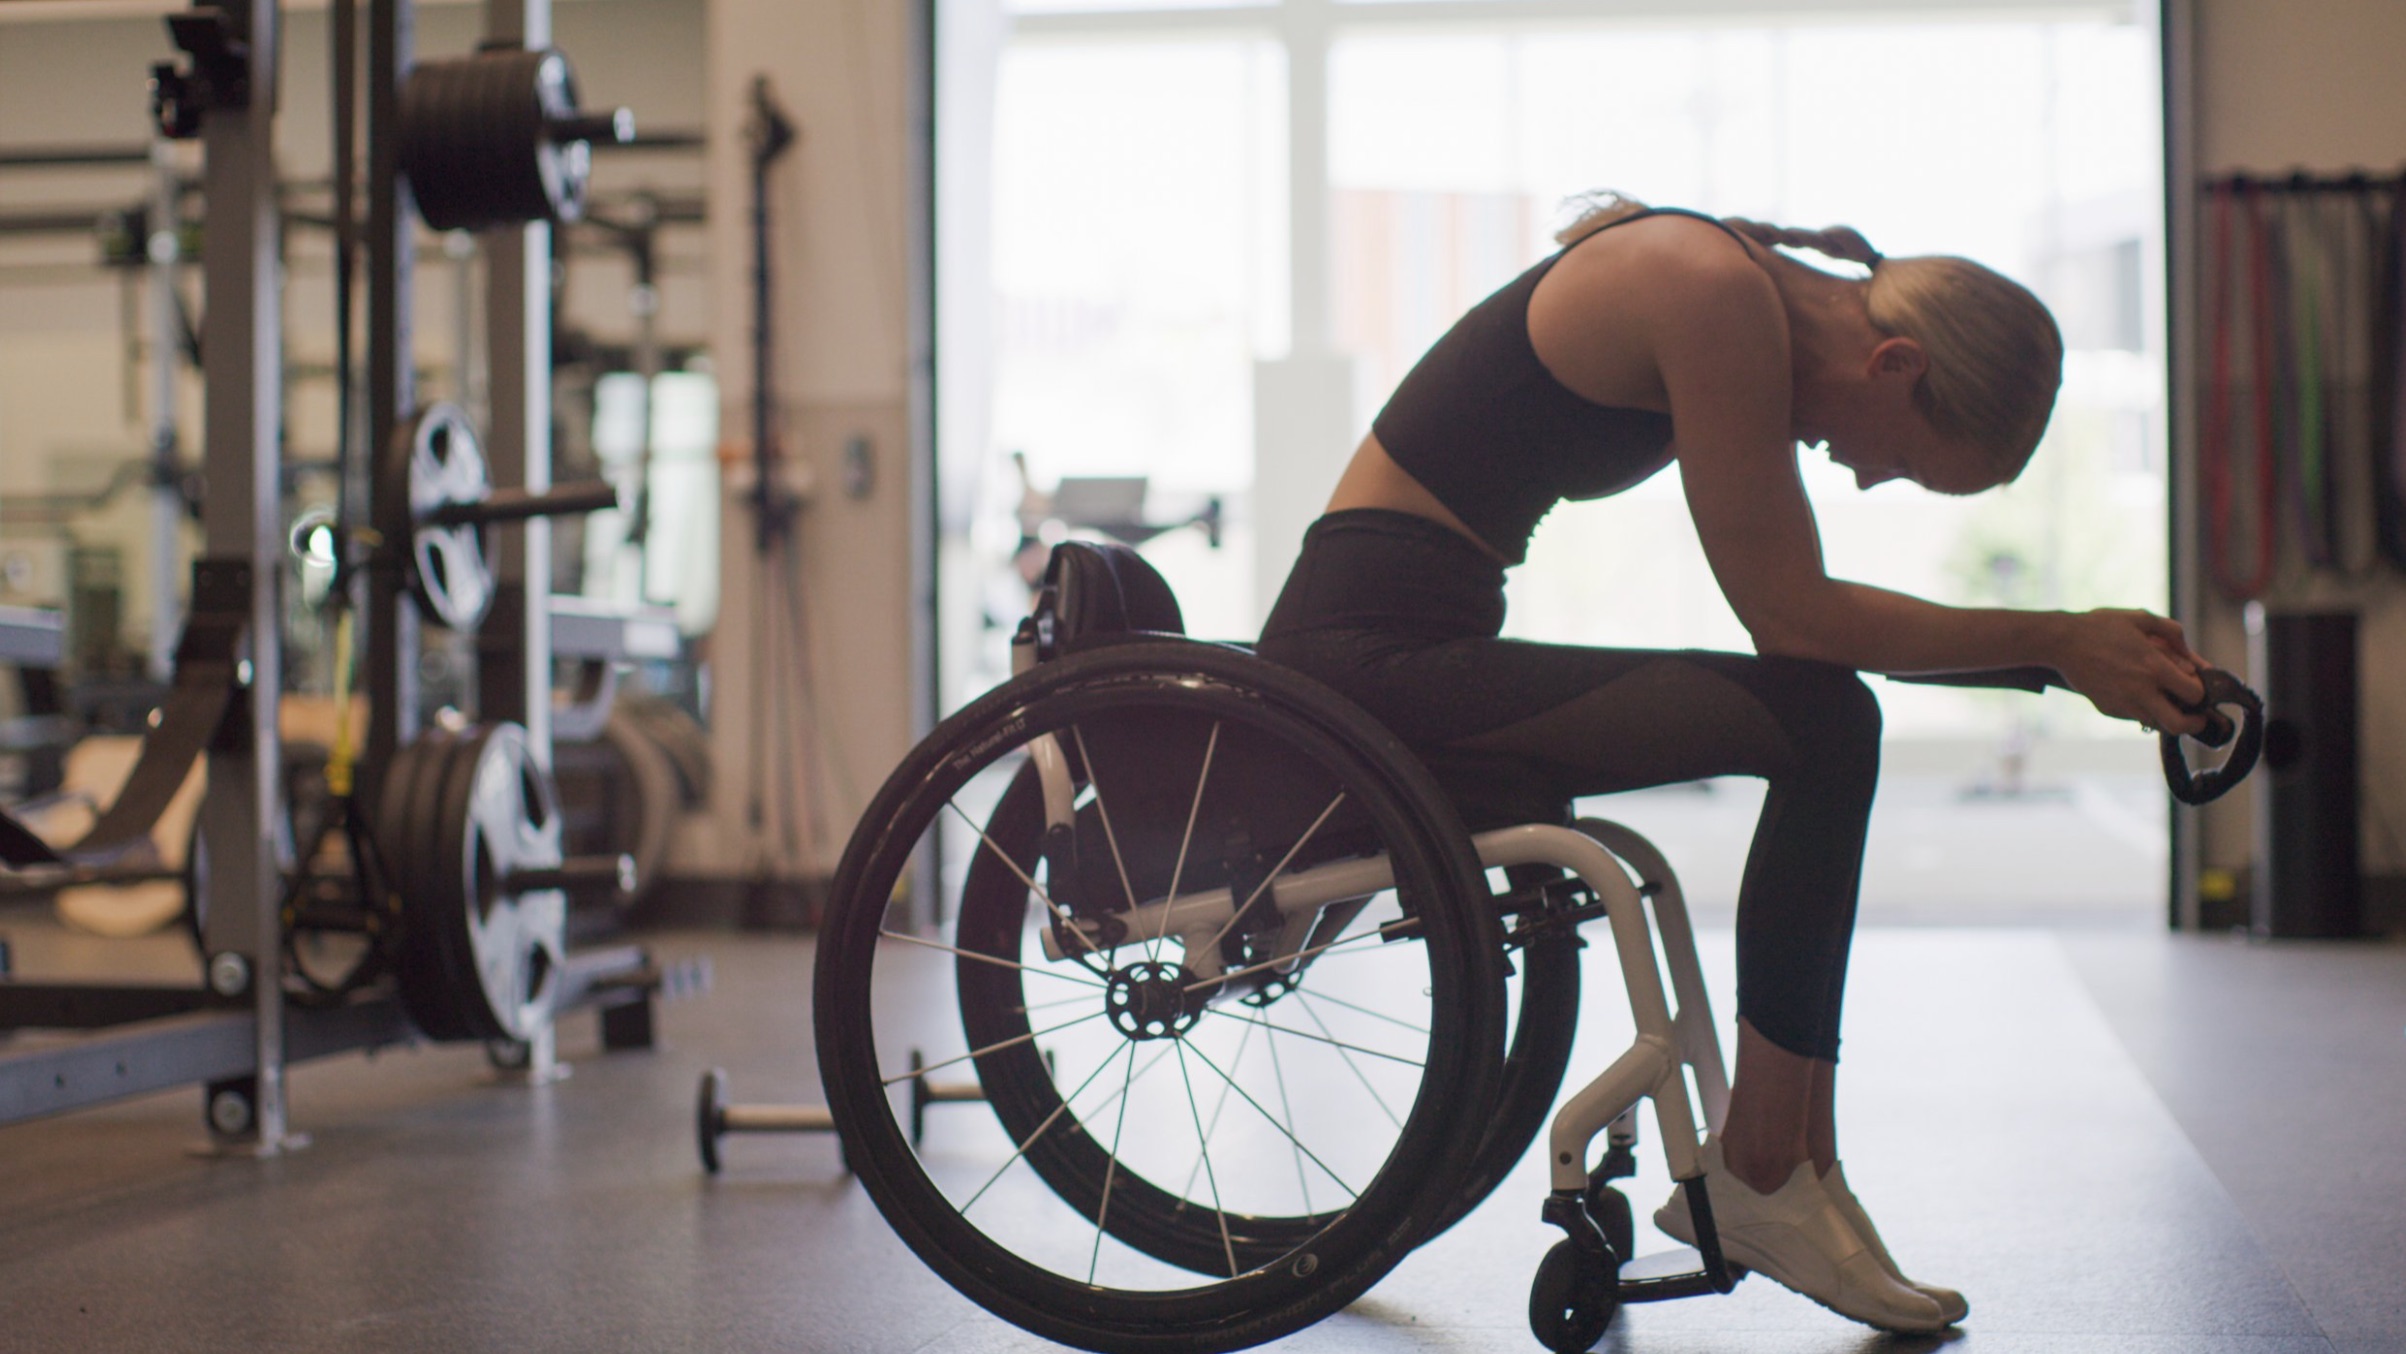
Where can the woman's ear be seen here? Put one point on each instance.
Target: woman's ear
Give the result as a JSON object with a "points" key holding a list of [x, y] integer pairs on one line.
{"points": [[1898, 357]]}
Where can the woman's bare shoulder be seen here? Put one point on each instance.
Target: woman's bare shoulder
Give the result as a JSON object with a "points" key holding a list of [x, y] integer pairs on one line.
{"points": [[1604, 316]]}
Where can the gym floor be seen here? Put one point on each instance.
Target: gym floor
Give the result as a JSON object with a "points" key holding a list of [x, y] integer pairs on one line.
{"points": [[2110, 1138]]}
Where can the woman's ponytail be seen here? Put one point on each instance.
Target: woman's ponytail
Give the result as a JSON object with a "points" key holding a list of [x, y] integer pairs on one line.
{"points": [[1844, 243]]}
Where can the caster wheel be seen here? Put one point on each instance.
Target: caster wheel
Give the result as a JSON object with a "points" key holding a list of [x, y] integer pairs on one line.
{"points": [[1572, 1301], [1610, 1208]]}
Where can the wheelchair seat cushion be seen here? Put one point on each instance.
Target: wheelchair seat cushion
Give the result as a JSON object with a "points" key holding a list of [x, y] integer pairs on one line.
{"points": [[1103, 588]]}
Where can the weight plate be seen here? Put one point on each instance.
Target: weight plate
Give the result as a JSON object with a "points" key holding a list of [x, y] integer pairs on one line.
{"points": [[477, 140], [406, 815], [435, 462], [488, 959]]}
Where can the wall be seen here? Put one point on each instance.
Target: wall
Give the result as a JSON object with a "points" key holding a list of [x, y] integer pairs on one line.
{"points": [[2313, 84], [841, 226]]}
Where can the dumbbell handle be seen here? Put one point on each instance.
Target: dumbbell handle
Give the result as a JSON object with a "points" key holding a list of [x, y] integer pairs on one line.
{"points": [[615, 127], [775, 1119], [517, 505], [577, 874]]}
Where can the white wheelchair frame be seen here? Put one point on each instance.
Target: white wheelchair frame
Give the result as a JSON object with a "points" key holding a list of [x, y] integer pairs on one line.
{"points": [[1671, 1042]]}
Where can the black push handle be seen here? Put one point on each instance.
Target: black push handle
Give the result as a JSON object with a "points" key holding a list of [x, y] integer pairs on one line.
{"points": [[2222, 692]]}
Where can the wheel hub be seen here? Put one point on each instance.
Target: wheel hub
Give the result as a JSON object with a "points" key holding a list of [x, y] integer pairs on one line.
{"points": [[1149, 1000]]}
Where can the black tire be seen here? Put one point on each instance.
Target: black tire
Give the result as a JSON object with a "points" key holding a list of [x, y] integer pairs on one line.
{"points": [[1613, 1216], [1572, 1300], [1037, 1256]]}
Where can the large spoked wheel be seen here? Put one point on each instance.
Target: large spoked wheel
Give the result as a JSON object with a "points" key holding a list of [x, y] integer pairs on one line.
{"points": [[1280, 1098], [1542, 997]]}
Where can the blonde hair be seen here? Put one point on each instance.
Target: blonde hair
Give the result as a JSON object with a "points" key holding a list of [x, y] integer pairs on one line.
{"points": [[1995, 355]]}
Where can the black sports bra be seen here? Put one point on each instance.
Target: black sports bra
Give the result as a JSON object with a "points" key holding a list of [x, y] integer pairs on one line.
{"points": [[1482, 424]]}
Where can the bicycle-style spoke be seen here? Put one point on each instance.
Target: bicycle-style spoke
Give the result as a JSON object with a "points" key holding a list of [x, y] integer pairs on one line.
{"points": [[1045, 1127], [1276, 870], [998, 1046], [1324, 1037], [1273, 1122], [1031, 1007], [1186, 839], [1400, 927], [1081, 978], [1287, 1106], [1220, 1106], [1119, 1129], [1103, 811], [1315, 995], [1356, 1068], [1059, 915], [1203, 1145]]}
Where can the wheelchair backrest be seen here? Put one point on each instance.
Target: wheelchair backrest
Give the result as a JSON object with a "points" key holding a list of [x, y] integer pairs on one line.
{"points": [[1093, 588]]}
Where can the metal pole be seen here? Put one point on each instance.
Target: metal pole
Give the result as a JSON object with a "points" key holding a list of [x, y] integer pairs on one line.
{"points": [[166, 491], [514, 664], [2176, 30], [390, 654], [242, 343], [514, 657]]}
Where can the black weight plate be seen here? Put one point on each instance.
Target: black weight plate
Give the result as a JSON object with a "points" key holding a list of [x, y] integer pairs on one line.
{"points": [[501, 953], [409, 832]]}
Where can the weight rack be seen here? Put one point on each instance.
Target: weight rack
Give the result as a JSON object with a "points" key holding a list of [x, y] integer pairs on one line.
{"points": [[236, 1032]]}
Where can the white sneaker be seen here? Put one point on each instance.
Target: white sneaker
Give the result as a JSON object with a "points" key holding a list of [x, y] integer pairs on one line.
{"points": [[1951, 1304], [1799, 1237]]}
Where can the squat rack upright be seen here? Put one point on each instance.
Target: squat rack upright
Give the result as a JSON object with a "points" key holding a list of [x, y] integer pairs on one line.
{"points": [[236, 1032]]}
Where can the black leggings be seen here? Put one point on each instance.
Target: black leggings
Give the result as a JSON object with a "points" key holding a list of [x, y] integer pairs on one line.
{"points": [[1402, 615]]}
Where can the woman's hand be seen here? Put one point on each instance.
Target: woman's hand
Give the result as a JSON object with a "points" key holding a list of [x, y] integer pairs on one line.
{"points": [[2133, 665]]}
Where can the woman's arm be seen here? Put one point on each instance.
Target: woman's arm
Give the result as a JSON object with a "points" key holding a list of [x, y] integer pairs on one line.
{"points": [[1718, 335]]}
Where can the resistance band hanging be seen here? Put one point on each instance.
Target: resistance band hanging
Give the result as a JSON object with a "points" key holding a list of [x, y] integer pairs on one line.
{"points": [[2302, 449], [2228, 484], [2299, 271], [2350, 226], [207, 676]]}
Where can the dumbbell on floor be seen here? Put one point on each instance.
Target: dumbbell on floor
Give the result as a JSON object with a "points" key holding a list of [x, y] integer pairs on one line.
{"points": [[715, 1117]]}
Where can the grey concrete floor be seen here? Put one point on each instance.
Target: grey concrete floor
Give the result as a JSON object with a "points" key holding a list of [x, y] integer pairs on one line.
{"points": [[2111, 1140]]}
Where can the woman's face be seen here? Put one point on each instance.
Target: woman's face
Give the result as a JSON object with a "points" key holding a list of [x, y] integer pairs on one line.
{"points": [[1870, 425]]}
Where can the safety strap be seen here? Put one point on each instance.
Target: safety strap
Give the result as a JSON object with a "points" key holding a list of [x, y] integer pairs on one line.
{"points": [[207, 659]]}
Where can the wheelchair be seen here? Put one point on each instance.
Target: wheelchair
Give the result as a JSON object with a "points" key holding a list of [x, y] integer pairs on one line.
{"points": [[1260, 998]]}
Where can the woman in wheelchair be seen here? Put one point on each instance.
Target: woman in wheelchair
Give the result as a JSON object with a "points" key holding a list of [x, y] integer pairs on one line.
{"points": [[1656, 336]]}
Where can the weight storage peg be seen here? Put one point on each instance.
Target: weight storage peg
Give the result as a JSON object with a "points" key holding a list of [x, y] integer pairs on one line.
{"points": [[496, 139]]}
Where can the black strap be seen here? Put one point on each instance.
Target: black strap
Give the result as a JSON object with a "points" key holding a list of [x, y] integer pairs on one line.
{"points": [[207, 659]]}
